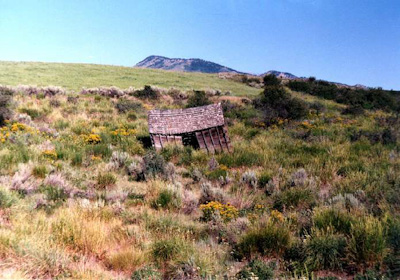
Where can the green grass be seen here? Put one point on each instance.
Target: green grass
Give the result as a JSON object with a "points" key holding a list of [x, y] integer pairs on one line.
{"points": [[74, 76]]}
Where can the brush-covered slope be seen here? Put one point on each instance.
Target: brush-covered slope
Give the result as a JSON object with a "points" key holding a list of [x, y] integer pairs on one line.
{"points": [[309, 191], [75, 76], [183, 65]]}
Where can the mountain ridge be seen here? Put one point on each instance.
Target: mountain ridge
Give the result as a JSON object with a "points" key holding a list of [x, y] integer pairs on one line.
{"points": [[184, 65]]}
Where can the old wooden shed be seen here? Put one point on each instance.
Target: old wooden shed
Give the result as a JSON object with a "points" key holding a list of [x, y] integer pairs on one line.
{"points": [[201, 127]]}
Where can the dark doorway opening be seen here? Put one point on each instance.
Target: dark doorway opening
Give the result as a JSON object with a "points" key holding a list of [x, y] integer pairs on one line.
{"points": [[190, 139], [145, 140]]}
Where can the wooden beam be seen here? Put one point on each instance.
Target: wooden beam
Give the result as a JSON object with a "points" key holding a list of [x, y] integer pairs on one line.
{"points": [[219, 139], [212, 140], [226, 141], [205, 143], [152, 140], [159, 136]]}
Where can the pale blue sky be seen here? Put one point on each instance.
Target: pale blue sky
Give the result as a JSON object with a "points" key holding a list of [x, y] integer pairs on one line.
{"points": [[339, 40]]}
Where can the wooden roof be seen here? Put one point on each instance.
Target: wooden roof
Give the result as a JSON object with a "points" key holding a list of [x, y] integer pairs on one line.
{"points": [[185, 120]]}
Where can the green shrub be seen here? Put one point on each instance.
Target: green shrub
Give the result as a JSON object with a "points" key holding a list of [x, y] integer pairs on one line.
{"points": [[299, 86], [53, 193], [339, 220], [264, 178], [131, 116], [171, 151], [217, 173], [296, 255], [271, 80], [294, 197], [167, 199], [276, 103], [125, 105], [61, 124], [39, 171], [80, 128], [394, 234], [325, 250], [354, 109], [33, 113], [367, 243], [166, 250], [102, 150], [5, 99], [77, 159], [7, 198], [105, 180], [199, 98], [257, 268], [146, 93], [268, 239], [154, 164]]}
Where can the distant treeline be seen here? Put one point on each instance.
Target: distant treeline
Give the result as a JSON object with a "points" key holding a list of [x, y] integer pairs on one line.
{"points": [[371, 98]]}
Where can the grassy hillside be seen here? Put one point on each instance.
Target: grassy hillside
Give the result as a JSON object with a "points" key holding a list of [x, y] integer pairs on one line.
{"points": [[75, 76], [82, 197]]}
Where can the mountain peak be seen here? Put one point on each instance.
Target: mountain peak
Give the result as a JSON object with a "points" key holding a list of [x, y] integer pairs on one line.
{"points": [[279, 74], [183, 64]]}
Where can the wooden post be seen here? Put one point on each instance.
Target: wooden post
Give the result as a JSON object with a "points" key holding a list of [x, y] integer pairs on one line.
{"points": [[205, 143], [226, 141], [219, 139], [159, 136], [212, 140]]}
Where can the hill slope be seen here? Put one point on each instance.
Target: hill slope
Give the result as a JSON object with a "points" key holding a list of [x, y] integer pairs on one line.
{"points": [[82, 196], [183, 65], [75, 76]]}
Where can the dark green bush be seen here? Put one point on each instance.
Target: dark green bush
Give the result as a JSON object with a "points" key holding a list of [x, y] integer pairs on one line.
{"points": [[7, 199], [367, 243], [294, 197], [271, 80], [216, 174], [199, 98], [268, 239], [325, 250], [54, 194], [105, 180], [77, 159], [299, 86], [125, 105], [339, 220], [146, 93], [318, 107], [102, 150], [276, 103], [295, 255], [393, 234], [257, 268], [5, 98], [167, 199], [264, 178], [39, 171], [354, 109], [33, 113], [166, 250], [154, 164], [132, 116]]}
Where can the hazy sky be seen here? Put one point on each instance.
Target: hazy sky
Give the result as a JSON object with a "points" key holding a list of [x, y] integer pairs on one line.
{"points": [[339, 40]]}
